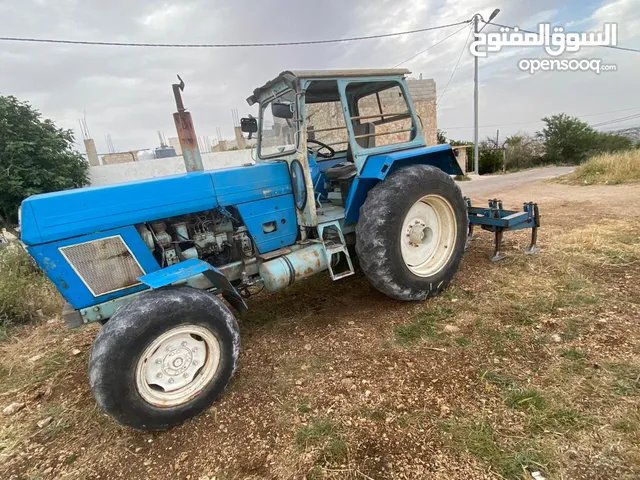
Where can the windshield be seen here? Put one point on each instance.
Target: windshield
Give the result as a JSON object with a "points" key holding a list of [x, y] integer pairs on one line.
{"points": [[277, 126]]}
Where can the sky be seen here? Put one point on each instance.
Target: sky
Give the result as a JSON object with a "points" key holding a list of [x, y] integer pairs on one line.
{"points": [[126, 92]]}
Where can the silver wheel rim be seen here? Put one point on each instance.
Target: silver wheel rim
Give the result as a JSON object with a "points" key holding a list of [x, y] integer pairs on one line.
{"points": [[177, 365], [428, 235]]}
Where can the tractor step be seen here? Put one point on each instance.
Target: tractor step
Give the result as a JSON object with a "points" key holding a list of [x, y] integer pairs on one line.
{"points": [[498, 220], [338, 258]]}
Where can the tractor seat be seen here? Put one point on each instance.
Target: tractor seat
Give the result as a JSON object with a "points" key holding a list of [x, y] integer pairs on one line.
{"points": [[341, 171]]}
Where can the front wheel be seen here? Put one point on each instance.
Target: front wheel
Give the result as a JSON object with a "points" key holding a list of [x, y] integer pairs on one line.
{"points": [[164, 357], [411, 232]]}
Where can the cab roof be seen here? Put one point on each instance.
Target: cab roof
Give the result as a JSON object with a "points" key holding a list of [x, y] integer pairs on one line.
{"points": [[291, 76]]}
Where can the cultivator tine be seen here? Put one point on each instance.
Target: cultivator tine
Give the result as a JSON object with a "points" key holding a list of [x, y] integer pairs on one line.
{"points": [[532, 208], [497, 254]]}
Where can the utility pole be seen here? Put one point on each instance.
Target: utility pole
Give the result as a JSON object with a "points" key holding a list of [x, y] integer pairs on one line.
{"points": [[476, 163], [476, 20]]}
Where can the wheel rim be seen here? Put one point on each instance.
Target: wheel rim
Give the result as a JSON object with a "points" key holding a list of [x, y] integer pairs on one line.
{"points": [[177, 365], [428, 235]]}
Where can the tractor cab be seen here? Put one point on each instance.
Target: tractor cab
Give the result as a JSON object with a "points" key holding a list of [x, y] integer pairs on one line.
{"points": [[334, 128]]}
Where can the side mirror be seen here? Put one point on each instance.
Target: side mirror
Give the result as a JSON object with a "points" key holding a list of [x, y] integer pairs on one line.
{"points": [[249, 125], [282, 110]]}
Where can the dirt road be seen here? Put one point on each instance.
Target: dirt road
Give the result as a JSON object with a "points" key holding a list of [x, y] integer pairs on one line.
{"points": [[531, 364], [495, 184]]}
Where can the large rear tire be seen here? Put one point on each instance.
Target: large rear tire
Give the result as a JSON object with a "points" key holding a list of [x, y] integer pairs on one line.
{"points": [[164, 357], [411, 234]]}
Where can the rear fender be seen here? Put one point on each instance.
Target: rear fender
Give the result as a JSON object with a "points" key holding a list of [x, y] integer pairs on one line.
{"points": [[377, 167]]}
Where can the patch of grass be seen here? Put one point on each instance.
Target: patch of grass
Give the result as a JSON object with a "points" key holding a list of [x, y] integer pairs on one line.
{"points": [[315, 432], [625, 426], [525, 399], [479, 439], [324, 436], [560, 418], [606, 169], [462, 178], [314, 474], [573, 354], [303, 405], [463, 341], [26, 294], [424, 326], [495, 378]]}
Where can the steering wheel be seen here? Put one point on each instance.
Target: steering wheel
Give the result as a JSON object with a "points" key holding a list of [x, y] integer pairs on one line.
{"points": [[318, 152]]}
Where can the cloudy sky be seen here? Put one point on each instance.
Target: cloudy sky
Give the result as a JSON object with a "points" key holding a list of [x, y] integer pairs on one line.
{"points": [[126, 92]]}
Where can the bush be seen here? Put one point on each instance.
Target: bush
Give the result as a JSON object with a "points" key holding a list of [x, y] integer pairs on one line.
{"points": [[523, 151], [608, 169], [24, 288]]}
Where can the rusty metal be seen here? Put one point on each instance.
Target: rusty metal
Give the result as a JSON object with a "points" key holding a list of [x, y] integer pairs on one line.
{"points": [[186, 132]]}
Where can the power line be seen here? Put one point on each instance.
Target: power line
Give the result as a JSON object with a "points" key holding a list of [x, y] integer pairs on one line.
{"points": [[616, 47], [431, 46], [225, 45], [540, 121], [616, 120], [464, 46]]}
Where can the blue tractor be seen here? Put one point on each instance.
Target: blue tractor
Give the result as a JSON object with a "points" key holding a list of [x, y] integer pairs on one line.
{"points": [[341, 169]]}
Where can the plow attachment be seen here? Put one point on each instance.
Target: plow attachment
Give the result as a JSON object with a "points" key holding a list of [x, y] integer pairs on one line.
{"points": [[496, 219]]}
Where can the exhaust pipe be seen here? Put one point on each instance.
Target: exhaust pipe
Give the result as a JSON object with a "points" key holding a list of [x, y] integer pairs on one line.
{"points": [[186, 132]]}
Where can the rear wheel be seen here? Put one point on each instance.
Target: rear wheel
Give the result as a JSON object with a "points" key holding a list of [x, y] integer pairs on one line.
{"points": [[164, 357], [411, 232]]}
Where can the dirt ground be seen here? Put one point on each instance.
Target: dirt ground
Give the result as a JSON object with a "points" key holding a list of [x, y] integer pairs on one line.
{"points": [[528, 365]]}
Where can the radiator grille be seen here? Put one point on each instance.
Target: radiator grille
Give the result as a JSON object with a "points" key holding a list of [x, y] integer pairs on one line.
{"points": [[104, 265]]}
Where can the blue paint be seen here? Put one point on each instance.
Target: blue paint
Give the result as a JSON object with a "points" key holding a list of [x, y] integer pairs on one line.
{"points": [[279, 210], [189, 268], [70, 213], [247, 184], [377, 167], [70, 285]]}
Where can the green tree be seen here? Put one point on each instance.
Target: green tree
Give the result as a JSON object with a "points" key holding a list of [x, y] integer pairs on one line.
{"points": [[567, 139], [35, 157]]}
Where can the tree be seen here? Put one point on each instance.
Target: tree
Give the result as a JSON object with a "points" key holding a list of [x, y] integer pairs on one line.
{"points": [[567, 139], [523, 151], [35, 157]]}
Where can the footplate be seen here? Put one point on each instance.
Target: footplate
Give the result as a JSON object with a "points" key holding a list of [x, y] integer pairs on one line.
{"points": [[498, 220], [338, 258]]}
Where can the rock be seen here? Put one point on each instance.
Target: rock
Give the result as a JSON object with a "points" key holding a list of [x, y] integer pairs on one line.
{"points": [[444, 410], [308, 347], [44, 422], [537, 476], [75, 351], [40, 314], [451, 329], [47, 471], [298, 383], [138, 449], [346, 383], [13, 408], [35, 358], [367, 393], [556, 338]]}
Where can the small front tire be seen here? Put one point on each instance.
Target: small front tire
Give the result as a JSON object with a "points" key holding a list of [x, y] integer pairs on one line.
{"points": [[164, 357]]}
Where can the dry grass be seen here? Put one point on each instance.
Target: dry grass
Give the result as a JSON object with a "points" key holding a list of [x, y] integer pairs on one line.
{"points": [[26, 294], [606, 169]]}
